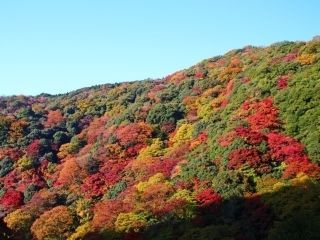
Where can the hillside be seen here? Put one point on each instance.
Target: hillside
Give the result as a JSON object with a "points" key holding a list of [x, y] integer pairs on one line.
{"points": [[227, 149]]}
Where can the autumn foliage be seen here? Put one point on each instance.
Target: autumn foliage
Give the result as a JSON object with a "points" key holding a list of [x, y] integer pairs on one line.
{"points": [[225, 149], [53, 118], [11, 199], [241, 156], [262, 115], [208, 200], [56, 223]]}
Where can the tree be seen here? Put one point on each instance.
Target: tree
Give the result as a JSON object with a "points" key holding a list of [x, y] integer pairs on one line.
{"points": [[306, 59], [19, 221], [165, 113], [260, 216], [17, 130], [106, 213], [94, 185], [241, 156], [198, 165], [75, 144], [263, 114], [208, 200], [229, 184], [5, 123], [25, 163], [183, 134], [11, 199], [35, 149], [132, 134], [234, 67], [156, 149], [250, 136], [284, 148], [116, 189], [290, 57], [176, 77], [96, 129], [81, 232], [164, 166], [127, 222], [29, 192], [6, 165], [53, 118], [60, 138], [283, 82], [289, 150], [56, 223]]}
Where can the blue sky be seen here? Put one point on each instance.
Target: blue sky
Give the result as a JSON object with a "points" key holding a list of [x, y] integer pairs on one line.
{"points": [[61, 45]]}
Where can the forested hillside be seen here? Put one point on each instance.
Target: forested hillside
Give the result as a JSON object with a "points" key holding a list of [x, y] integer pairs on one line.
{"points": [[227, 149]]}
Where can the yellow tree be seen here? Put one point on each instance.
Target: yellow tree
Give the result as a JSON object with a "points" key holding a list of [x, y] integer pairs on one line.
{"points": [[305, 59], [153, 150], [183, 134], [127, 222], [19, 221]]}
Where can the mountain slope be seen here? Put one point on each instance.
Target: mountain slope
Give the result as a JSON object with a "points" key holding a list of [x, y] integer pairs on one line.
{"points": [[227, 149]]}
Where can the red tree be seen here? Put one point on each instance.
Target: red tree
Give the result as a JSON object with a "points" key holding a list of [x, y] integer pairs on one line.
{"points": [[134, 150], [289, 150], [202, 137], [290, 57], [11, 199], [12, 178], [164, 166], [167, 207], [94, 185], [34, 149], [284, 148], [262, 114], [12, 153], [299, 166], [112, 171], [53, 118], [241, 156], [96, 129], [208, 199], [199, 74], [250, 136], [134, 133], [106, 212], [226, 139], [282, 82]]}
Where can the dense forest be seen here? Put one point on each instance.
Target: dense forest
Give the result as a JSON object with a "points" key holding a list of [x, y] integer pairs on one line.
{"points": [[226, 149]]}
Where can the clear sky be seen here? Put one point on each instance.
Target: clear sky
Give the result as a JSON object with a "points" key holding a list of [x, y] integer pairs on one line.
{"points": [[61, 45]]}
